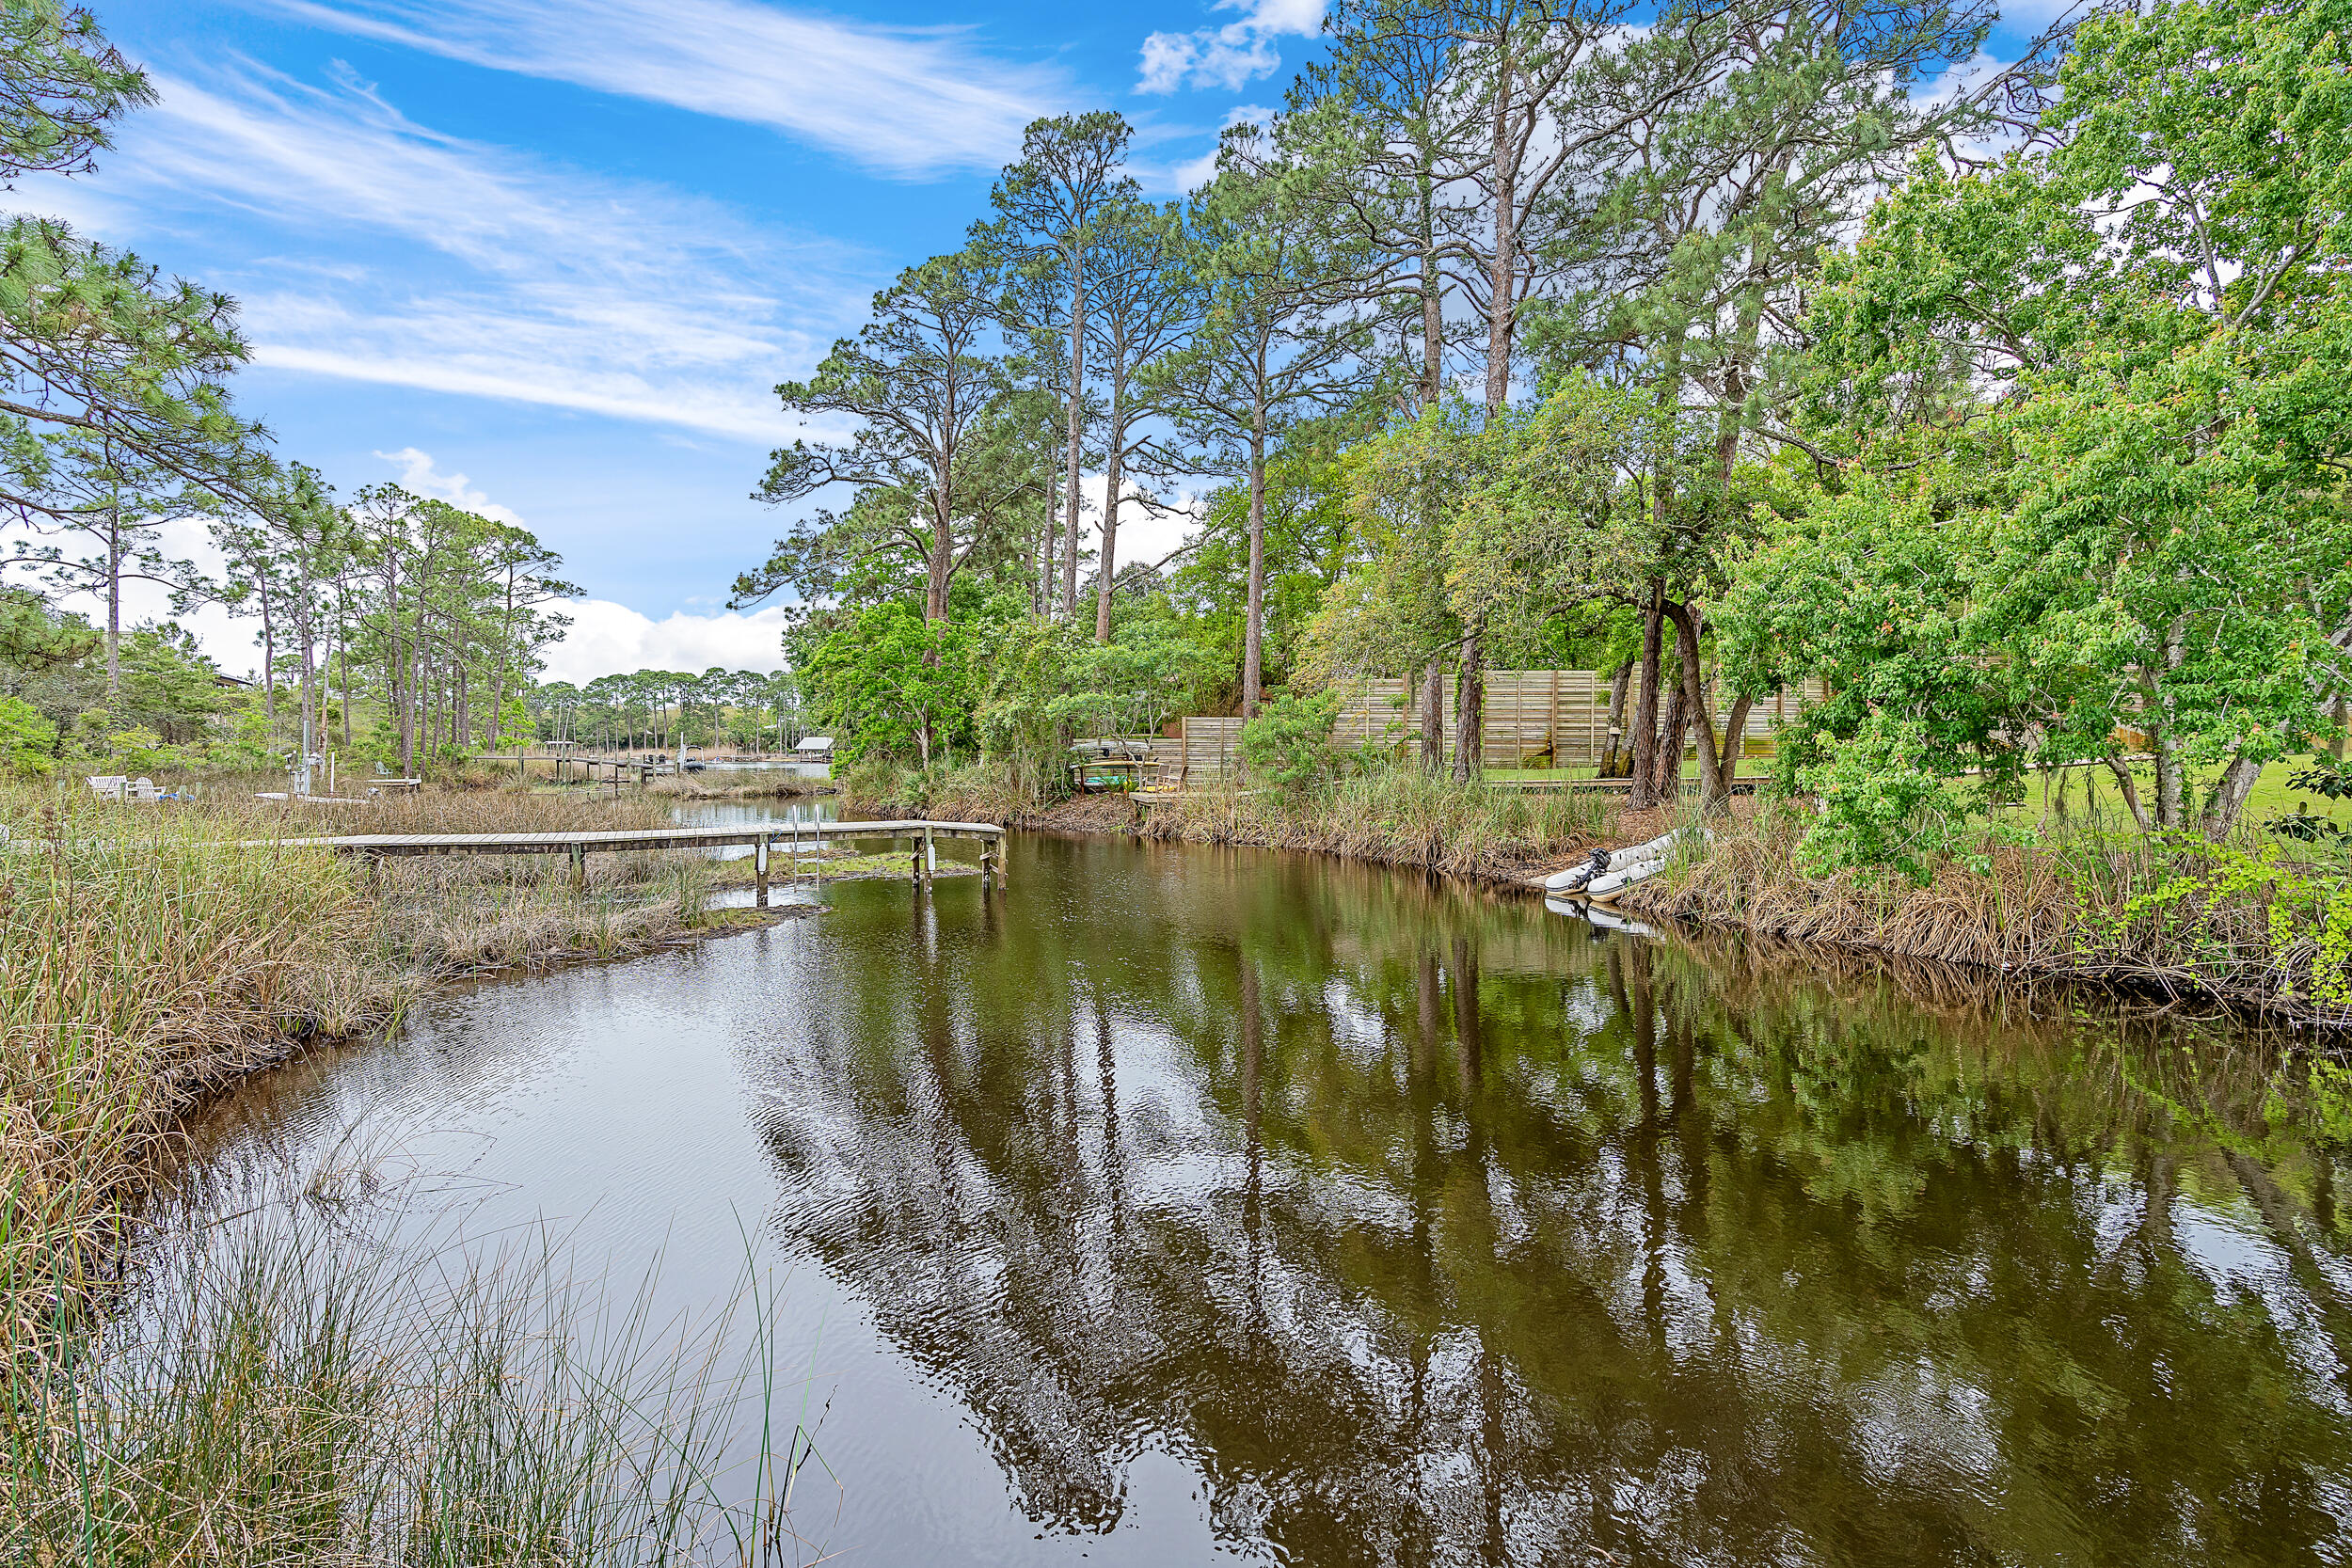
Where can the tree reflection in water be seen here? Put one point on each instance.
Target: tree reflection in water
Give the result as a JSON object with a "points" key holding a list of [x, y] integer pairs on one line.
{"points": [[1431, 1228]]}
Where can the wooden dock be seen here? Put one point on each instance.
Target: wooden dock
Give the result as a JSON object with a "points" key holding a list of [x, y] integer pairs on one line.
{"points": [[759, 837]]}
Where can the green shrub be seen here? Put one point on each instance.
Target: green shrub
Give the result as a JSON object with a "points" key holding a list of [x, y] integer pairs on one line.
{"points": [[1289, 743], [28, 742], [872, 779]]}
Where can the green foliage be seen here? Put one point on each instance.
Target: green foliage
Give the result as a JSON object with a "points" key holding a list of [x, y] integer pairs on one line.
{"points": [[1310, 539], [1289, 743], [893, 685], [2140, 544], [169, 687], [2325, 776], [2306, 910], [1047, 684], [29, 741]]}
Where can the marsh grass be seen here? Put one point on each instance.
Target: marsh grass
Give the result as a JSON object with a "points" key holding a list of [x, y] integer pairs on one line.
{"points": [[1394, 817], [306, 1402], [152, 954], [2243, 921], [290, 1392], [137, 969]]}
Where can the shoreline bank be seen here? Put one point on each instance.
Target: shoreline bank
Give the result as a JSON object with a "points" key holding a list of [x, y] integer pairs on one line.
{"points": [[2130, 919]]}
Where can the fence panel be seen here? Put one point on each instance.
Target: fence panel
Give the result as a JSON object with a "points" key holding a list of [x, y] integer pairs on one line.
{"points": [[1534, 719]]}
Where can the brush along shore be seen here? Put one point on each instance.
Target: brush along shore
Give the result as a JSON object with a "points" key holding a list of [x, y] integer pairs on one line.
{"points": [[2252, 921]]}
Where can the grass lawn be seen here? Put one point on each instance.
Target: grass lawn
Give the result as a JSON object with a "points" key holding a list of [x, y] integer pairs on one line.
{"points": [[2272, 797]]}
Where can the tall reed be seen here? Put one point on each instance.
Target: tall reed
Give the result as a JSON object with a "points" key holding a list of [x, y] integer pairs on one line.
{"points": [[1393, 816], [139, 964], [149, 954], [288, 1394]]}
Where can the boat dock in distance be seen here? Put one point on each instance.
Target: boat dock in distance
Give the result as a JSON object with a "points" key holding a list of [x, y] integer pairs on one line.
{"points": [[789, 836]]}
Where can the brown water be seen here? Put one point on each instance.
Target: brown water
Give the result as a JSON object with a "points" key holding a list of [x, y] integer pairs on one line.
{"points": [[1181, 1202]]}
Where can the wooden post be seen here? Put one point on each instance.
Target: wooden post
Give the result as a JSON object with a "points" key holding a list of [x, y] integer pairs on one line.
{"points": [[580, 869], [759, 859]]}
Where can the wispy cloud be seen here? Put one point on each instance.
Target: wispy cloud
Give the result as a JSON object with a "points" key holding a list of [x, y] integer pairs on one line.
{"points": [[421, 476], [480, 271], [903, 101], [1227, 57]]}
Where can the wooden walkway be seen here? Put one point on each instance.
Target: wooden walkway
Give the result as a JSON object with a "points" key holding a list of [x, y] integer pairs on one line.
{"points": [[759, 837]]}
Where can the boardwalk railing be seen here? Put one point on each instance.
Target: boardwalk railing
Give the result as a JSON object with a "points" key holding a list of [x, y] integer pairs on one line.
{"points": [[758, 836]]}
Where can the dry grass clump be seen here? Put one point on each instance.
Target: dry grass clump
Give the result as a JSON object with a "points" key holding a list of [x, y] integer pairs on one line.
{"points": [[443, 916], [2241, 922], [983, 791], [441, 810], [150, 953], [1395, 816], [141, 963]]}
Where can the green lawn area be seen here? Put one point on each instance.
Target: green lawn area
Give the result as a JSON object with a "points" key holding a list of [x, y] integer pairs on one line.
{"points": [[2272, 795]]}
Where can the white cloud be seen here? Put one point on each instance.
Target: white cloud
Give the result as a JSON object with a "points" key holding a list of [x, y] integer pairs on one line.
{"points": [[607, 639], [511, 279], [1230, 55], [905, 101], [421, 476]]}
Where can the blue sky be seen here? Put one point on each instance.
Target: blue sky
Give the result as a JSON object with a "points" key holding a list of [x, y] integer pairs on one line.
{"points": [[548, 257]]}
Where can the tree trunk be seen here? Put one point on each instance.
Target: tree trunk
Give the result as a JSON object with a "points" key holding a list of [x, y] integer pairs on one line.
{"points": [[1470, 715], [1715, 765], [1113, 476], [1078, 424], [1254, 634], [1668, 785], [1734, 742], [2160, 714], [1432, 311], [1613, 764], [1644, 792], [940, 558], [113, 607], [1433, 716], [2122, 769], [1043, 604], [1503, 282]]}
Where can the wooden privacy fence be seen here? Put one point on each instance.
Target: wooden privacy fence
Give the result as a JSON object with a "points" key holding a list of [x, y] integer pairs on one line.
{"points": [[1534, 719]]}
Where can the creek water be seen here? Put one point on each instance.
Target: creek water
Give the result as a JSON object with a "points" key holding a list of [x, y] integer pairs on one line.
{"points": [[1176, 1202]]}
